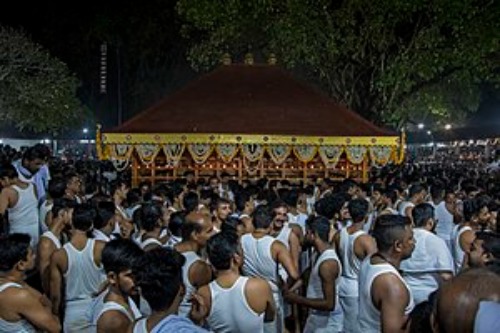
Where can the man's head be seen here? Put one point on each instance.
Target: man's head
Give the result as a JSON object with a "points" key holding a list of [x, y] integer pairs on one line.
{"points": [[73, 183], [16, 253], [8, 174], [35, 157], [458, 301], [197, 228], [62, 210], [190, 201], [213, 182], [417, 193], [221, 208], [224, 251], [423, 216], [318, 230], [279, 213], [485, 249], [358, 210], [189, 175], [437, 191], [57, 187], [119, 189], [393, 233], [121, 258], [160, 279], [105, 217], [176, 222], [261, 217], [389, 197], [83, 217], [148, 217], [476, 211], [244, 202]]}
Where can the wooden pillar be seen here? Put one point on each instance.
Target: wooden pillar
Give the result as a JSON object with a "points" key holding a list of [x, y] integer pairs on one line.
{"points": [[135, 171], [153, 172], [347, 168], [304, 172], [240, 169], [365, 170]]}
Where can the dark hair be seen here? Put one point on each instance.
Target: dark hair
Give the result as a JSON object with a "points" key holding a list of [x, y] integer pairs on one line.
{"points": [[241, 199], [389, 229], [421, 213], [346, 185], [133, 197], [13, 248], [7, 170], [217, 202], [415, 189], [83, 217], [147, 216], [330, 205], [437, 190], [471, 208], [105, 212], [189, 227], [391, 194], [278, 204], [120, 255], [160, 277], [38, 151], [57, 187], [191, 202], [358, 209], [261, 217], [319, 225], [231, 225], [176, 222], [291, 198], [61, 204], [491, 243], [116, 185], [221, 248]]}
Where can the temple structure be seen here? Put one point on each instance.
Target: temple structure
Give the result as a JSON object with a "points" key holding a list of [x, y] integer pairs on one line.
{"points": [[251, 121]]}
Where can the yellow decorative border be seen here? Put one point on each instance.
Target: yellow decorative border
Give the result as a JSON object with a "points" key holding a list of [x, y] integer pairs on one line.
{"points": [[159, 138]]}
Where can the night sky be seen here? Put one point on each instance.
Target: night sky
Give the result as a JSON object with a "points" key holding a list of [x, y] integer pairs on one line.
{"points": [[145, 49]]}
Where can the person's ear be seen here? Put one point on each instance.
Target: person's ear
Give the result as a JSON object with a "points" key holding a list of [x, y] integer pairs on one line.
{"points": [[398, 246], [112, 278]]}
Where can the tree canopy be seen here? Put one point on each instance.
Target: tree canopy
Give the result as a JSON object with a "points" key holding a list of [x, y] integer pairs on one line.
{"points": [[37, 91], [393, 61]]}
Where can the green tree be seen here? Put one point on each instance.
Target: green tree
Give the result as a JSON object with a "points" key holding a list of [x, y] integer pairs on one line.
{"points": [[37, 91], [391, 60]]}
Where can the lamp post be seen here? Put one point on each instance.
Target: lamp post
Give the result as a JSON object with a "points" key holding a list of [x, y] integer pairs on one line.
{"points": [[87, 141]]}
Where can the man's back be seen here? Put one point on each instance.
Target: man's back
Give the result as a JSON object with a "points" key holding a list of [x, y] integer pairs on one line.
{"points": [[230, 310], [369, 314]]}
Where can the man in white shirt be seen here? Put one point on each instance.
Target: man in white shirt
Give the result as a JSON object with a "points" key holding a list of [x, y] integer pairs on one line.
{"points": [[431, 262]]}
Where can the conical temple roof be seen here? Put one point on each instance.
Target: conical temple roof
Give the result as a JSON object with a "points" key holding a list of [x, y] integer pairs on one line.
{"points": [[250, 99]]}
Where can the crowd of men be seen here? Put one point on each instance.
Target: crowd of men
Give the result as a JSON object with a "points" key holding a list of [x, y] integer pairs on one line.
{"points": [[415, 250]]}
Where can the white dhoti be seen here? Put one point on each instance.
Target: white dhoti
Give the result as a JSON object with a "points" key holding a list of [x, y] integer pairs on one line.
{"points": [[76, 319]]}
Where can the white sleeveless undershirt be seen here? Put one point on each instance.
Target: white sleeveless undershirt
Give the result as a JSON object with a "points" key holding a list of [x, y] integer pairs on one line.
{"points": [[350, 263], [369, 315], [20, 326], [185, 306], [24, 217], [83, 277], [230, 311], [457, 251], [315, 285], [50, 235]]}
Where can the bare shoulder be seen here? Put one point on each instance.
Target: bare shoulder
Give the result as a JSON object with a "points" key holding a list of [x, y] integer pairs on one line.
{"points": [[17, 298], [388, 286], [257, 285], [113, 321]]}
